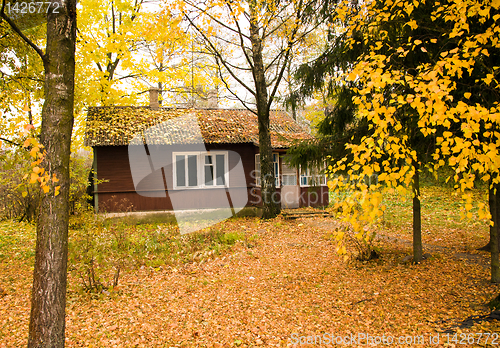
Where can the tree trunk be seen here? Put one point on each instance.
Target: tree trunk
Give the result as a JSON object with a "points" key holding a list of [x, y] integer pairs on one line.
{"points": [[271, 205], [494, 197], [492, 206], [417, 222], [48, 299]]}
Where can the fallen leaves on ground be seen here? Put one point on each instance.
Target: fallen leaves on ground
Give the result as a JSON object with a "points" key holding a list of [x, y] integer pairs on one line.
{"points": [[288, 281]]}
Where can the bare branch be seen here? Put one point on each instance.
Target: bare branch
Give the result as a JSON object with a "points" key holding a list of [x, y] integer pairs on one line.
{"points": [[215, 19], [217, 54], [10, 141], [241, 35], [20, 33], [231, 91]]}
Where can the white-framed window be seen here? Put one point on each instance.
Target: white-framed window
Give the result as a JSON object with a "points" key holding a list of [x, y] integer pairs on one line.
{"points": [[200, 169], [288, 175], [312, 177], [214, 169], [276, 168]]}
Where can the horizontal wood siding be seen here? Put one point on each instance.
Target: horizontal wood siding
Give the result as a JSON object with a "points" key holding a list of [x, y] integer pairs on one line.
{"points": [[314, 196], [255, 200], [119, 194]]}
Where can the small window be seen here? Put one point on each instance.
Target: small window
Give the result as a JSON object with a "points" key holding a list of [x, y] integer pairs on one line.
{"points": [[220, 170], [312, 177], [180, 170], [275, 167], [276, 164], [209, 170], [257, 169], [288, 175], [215, 170], [186, 170], [193, 170]]}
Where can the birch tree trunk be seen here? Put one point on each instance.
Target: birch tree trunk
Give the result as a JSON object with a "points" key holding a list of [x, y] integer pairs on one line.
{"points": [[48, 299]]}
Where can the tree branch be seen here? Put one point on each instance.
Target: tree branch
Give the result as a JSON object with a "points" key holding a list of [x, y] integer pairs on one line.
{"points": [[242, 37], [20, 33], [10, 141], [219, 56], [231, 91]]}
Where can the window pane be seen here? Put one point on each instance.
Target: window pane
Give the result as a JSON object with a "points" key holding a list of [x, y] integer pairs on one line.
{"points": [[180, 170], [192, 171], [289, 179], [209, 175], [219, 167], [209, 170]]}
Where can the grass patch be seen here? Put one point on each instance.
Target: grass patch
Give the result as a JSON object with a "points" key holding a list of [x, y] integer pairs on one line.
{"points": [[440, 206], [442, 215], [100, 249], [17, 240]]}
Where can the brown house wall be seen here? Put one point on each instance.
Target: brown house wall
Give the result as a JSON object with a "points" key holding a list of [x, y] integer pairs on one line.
{"points": [[118, 193], [314, 196]]}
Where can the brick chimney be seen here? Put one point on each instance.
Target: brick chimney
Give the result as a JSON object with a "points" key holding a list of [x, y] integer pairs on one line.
{"points": [[153, 97], [212, 99]]}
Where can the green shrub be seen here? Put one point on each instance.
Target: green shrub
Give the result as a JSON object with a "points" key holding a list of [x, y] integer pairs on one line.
{"points": [[97, 253], [101, 250], [20, 200]]}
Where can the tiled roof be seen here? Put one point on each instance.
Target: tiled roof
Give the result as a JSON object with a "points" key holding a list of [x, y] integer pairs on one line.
{"points": [[111, 126]]}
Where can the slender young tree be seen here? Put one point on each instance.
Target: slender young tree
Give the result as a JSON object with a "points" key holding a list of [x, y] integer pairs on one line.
{"points": [[252, 44], [48, 301], [343, 124], [441, 82]]}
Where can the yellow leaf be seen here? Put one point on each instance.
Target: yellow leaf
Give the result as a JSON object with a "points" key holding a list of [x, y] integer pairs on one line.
{"points": [[34, 178], [25, 194], [467, 95], [412, 24], [488, 79], [45, 189], [34, 151]]}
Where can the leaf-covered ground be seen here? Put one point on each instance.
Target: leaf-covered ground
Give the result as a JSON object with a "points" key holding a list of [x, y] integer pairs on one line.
{"points": [[283, 283]]}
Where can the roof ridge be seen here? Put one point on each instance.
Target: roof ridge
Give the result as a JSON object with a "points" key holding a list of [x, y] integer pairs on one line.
{"points": [[118, 125], [171, 108]]}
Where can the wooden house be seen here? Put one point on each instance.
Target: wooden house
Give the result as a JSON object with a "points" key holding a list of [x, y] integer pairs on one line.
{"points": [[229, 137]]}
